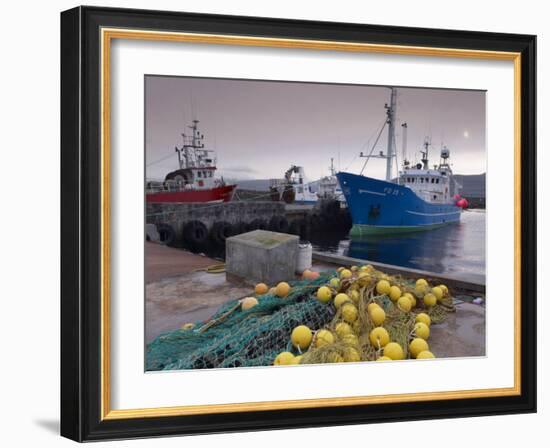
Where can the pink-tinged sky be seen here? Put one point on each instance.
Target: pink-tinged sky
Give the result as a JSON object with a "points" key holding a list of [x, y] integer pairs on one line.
{"points": [[260, 128]]}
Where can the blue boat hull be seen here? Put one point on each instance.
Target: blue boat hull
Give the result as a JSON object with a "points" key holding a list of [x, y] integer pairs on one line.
{"points": [[381, 207]]}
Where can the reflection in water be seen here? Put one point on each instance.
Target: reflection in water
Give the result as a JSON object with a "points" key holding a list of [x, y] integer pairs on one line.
{"points": [[457, 249]]}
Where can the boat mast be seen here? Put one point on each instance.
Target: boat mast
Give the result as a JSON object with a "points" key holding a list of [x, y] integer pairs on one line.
{"points": [[191, 157], [390, 112], [425, 160], [391, 152], [404, 143]]}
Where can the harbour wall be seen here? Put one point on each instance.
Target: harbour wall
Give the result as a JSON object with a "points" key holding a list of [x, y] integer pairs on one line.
{"points": [[204, 227], [177, 214]]}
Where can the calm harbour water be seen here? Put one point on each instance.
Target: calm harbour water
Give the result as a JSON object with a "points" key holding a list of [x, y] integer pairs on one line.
{"points": [[456, 249]]}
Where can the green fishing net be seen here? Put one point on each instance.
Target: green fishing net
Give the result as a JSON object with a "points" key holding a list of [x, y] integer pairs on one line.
{"points": [[242, 338]]}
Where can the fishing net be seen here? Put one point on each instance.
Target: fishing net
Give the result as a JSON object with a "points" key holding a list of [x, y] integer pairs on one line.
{"points": [[254, 337], [236, 338]]}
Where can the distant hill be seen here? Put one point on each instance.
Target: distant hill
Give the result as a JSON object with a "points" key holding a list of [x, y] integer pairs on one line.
{"points": [[262, 184], [253, 184], [473, 185]]}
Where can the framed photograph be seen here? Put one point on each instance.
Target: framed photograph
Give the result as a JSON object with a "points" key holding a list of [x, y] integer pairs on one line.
{"points": [[273, 223]]}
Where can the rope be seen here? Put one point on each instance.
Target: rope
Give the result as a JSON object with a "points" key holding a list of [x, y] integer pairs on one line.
{"points": [[212, 269], [160, 160]]}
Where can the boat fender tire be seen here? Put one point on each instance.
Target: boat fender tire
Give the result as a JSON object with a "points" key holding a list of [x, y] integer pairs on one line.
{"points": [[278, 223], [240, 227], [220, 231], [331, 210], [195, 234], [301, 228], [167, 234], [257, 224], [314, 221], [294, 227], [345, 219]]}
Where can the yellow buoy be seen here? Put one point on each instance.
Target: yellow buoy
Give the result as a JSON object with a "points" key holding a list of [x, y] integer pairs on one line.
{"points": [[324, 294], [379, 337], [334, 357], [351, 354], [395, 293], [377, 315], [345, 273], [394, 351], [342, 329], [430, 299], [248, 302], [404, 304], [301, 337], [350, 339], [354, 295], [424, 318], [445, 290], [418, 345], [426, 354], [282, 289], [323, 337], [349, 312], [383, 287], [353, 268], [335, 283], [411, 298], [422, 330], [296, 359], [283, 359], [340, 299], [420, 290], [384, 358], [421, 281], [188, 326], [372, 305], [261, 288], [437, 292]]}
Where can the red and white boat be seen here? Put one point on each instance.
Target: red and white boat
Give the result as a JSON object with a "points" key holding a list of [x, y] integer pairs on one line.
{"points": [[195, 179]]}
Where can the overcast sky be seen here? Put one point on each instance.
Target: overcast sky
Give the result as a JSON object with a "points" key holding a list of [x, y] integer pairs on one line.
{"points": [[260, 128]]}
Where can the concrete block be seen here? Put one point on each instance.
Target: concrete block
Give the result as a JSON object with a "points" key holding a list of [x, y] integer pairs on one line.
{"points": [[262, 256]]}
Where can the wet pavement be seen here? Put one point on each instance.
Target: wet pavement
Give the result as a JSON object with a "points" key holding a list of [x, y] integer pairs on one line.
{"points": [[190, 297], [163, 261], [461, 334]]}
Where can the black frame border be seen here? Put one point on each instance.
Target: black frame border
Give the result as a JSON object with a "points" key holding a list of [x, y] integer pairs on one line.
{"points": [[81, 223]]}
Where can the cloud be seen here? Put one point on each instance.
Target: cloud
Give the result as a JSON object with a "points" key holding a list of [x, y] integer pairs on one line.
{"points": [[239, 170]]}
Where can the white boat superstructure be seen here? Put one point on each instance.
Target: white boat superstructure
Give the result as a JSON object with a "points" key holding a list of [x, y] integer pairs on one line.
{"points": [[294, 187], [436, 185], [329, 187]]}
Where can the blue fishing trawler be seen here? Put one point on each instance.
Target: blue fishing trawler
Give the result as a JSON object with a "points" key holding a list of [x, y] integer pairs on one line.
{"points": [[419, 198]]}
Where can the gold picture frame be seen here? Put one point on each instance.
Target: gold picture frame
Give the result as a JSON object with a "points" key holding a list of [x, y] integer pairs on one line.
{"points": [[108, 30]]}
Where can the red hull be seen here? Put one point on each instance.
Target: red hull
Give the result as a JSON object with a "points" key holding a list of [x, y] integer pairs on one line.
{"points": [[218, 194]]}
